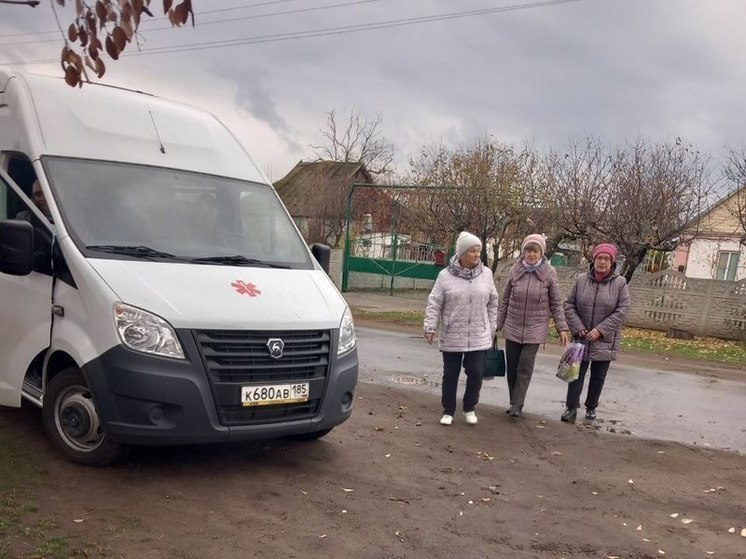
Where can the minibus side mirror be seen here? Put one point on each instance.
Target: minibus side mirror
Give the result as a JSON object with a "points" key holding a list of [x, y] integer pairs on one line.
{"points": [[322, 254], [16, 247]]}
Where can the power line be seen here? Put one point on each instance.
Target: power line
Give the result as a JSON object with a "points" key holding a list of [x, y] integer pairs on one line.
{"points": [[203, 23], [157, 19], [331, 31]]}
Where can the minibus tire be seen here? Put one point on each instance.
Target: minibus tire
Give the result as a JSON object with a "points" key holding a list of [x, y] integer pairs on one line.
{"points": [[72, 423], [312, 436]]}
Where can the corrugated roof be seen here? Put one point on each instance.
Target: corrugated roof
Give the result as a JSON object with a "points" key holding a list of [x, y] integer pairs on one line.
{"points": [[307, 177]]}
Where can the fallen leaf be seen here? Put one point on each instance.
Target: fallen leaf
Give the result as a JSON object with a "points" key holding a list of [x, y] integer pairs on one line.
{"points": [[347, 490], [661, 552], [612, 557], [471, 502], [675, 515], [639, 528], [461, 513], [304, 492], [322, 536], [710, 552], [595, 492], [79, 520], [380, 429], [387, 455], [540, 427], [630, 482], [743, 533], [557, 453], [645, 540], [731, 530], [686, 520], [344, 511], [486, 499], [624, 523], [661, 452]]}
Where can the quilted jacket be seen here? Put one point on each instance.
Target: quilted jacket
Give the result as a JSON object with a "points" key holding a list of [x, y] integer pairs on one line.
{"points": [[602, 305], [528, 299], [464, 301]]}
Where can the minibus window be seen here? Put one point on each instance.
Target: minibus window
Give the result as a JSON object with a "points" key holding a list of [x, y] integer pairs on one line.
{"points": [[170, 212]]}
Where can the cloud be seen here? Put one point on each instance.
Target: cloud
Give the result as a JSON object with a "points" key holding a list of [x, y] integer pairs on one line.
{"points": [[617, 69]]}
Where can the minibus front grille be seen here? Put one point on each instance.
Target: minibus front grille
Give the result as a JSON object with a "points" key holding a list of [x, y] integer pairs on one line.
{"points": [[238, 358], [243, 356], [239, 415]]}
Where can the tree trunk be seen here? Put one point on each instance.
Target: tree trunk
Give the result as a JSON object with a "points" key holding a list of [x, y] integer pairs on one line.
{"points": [[631, 264]]}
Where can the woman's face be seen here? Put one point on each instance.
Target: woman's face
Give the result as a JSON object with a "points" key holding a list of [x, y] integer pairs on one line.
{"points": [[471, 257], [531, 254], [602, 263]]}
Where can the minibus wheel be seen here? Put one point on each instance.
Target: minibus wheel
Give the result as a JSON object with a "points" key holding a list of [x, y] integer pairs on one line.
{"points": [[72, 423]]}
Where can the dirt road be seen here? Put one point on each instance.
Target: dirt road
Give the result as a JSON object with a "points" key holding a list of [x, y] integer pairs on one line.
{"points": [[390, 483]]}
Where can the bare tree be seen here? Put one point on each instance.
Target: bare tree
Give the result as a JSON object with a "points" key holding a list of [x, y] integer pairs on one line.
{"points": [[640, 196], [735, 173], [577, 189], [108, 25], [657, 193], [479, 187], [359, 141]]}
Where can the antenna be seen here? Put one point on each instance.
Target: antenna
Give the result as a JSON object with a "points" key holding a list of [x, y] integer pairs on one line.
{"points": [[163, 149]]}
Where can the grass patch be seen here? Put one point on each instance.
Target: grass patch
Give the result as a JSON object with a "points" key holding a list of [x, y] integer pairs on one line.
{"points": [[404, 318], [635, 339], [707, 349]]}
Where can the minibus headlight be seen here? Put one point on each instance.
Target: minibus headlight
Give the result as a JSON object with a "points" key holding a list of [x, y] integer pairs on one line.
{"points": [[346, 333], [146, 332]]}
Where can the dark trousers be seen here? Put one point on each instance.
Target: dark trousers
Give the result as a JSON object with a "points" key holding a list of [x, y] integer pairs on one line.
{"points": [[595, 385], [519, 367], [473, 363]]}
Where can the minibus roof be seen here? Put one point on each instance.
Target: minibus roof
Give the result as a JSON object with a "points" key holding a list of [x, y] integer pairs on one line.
{"points": [[117, 124]]}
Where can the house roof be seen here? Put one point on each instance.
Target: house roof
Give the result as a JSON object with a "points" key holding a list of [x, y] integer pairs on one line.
{"points": [[307, 177], [719, 218]]}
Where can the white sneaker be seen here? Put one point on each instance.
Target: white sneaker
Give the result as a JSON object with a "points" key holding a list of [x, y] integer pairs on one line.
{"points": [[471, 418], [446, 419]]}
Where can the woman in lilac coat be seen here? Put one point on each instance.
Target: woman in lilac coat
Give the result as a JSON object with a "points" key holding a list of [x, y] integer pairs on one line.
{"points": [[464, 301], [531, 295], [596, 309]]}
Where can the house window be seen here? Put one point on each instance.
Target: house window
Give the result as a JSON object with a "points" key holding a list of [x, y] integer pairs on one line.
{"points": [[727, 265]]}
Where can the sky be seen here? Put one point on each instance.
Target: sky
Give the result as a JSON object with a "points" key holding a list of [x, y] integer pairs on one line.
{"points": [[437, 71]]}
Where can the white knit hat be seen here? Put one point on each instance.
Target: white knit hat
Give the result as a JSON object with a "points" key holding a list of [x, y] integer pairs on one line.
{"points": [[465, 241]]}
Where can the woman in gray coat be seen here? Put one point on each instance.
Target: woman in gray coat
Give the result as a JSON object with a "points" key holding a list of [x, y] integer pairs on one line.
{"points": [[464, 301], [596, 309], [530, 296]]}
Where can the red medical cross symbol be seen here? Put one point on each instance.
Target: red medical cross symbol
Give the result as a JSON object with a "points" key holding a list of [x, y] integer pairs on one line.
{"points": [[244, 288]]}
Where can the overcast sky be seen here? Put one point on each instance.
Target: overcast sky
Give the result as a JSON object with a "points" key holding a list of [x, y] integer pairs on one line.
{"points": [[542, 71]]}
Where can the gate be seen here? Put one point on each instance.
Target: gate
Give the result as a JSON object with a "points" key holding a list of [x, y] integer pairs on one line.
{"points": [[386, 249]]}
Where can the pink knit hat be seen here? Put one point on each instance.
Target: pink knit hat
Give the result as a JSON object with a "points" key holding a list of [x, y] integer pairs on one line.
{"points": [[535, 239], [606, 248]]}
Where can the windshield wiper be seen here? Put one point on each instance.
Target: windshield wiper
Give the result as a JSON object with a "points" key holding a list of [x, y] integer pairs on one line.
{"points": [[135, 250], [236, 260]]}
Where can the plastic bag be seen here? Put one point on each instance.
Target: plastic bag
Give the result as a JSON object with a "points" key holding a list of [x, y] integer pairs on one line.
{"points": [[569, 365]]}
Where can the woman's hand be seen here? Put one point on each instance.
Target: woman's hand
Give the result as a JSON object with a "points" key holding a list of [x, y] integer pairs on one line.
{"points": [[429, 337], [594, 335], [564, 337]]}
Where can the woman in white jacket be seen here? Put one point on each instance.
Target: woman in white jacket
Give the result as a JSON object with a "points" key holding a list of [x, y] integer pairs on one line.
{"points": [[464, 301]]}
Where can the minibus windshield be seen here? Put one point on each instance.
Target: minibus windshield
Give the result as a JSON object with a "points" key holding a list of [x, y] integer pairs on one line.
{"points": [[127, 211]]}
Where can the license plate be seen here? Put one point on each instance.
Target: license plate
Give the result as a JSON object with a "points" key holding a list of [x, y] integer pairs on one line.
{"points": [[267, 394]]}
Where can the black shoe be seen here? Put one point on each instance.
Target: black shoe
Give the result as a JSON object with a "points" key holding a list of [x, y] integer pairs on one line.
{"points": [[590, 414], [515, 410], [570, 415]]}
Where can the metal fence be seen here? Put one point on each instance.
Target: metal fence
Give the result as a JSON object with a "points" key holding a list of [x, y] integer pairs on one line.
{"points": [[663, 300]]}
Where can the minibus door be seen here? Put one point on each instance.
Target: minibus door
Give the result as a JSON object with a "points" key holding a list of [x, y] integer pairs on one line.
{"points": [[25, 304]]}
